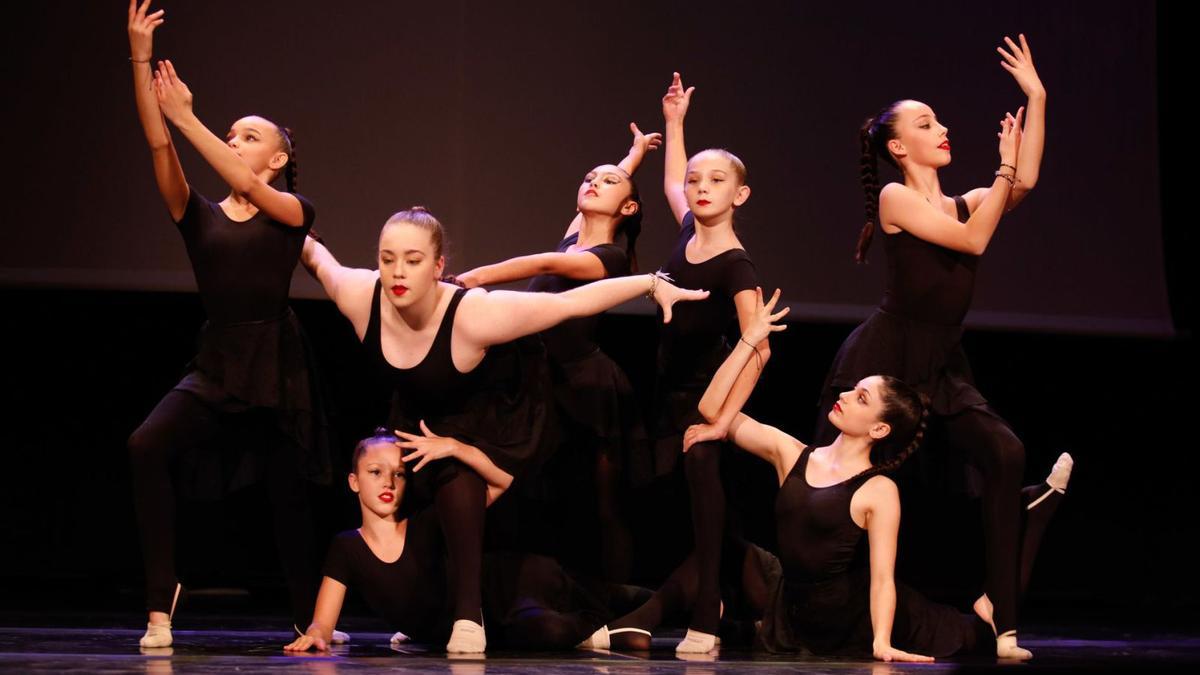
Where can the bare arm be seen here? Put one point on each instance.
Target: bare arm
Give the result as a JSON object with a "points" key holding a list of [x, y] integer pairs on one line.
{"points": [[642, 144], [325, 616], [761, 440], [428, 446], [882, 510], [175, 100], [168, 173], [503, 316], [352, 289], [748, 378], [675, 106], [578, 265]]}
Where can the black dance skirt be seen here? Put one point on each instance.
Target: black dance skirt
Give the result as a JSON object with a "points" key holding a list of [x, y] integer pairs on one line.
{"points": [[595, 400], [833, 617], [507, 412], [262, 368]]}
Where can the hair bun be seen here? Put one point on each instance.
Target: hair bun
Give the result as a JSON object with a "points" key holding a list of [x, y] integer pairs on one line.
{"points": [[420, 208]]}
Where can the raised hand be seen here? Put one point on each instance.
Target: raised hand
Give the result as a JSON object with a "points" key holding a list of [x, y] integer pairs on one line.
{"points": [[762, 323], [1010, 138], [643, 143], [141, 30], [1018, 61], [426, 447], [174, 97], [675, 102], [667, 294]]}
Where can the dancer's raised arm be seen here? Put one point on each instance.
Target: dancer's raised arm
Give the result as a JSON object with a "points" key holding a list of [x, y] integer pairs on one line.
{"points": [[675, 106], [168, 173]]}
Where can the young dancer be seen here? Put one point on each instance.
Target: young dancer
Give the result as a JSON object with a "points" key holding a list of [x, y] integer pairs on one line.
{"points": [[251, 387], [933, 244]]}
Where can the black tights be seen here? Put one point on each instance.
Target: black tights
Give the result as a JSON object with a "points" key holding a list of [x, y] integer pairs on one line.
{"points": [[181, 422], [461, 500], [702, 466]]}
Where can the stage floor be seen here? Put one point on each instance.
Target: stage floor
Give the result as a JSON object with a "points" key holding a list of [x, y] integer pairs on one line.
{"points": [[217, 645]]}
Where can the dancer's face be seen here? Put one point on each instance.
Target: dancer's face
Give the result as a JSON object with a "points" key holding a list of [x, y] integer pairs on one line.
{"points": [[606, 190], [857, 412], [408, 264], [379, 478], [712, 186], [920, 139], [256, 141]]}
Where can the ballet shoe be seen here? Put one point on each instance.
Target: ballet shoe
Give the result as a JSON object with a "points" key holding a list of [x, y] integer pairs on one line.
{"points": [[398, 638], [467, 637], [597, 640], [1060, 474], [628, 639], [696, 642], [1006, 648], [339, 638], [157, 635]]}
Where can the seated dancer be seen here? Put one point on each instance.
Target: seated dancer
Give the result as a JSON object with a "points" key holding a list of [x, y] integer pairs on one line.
{"points": [[597, 408], [831, 590], [449, 357], [397, 561]]}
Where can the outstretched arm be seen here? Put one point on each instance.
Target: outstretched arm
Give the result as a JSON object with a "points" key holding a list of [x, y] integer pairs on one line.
{"points": [[325, 616], [168, 174], [503, 316], [1033, 133], [577, 265], [351, 288], [675, 106], [883, 530], [175, 100]]}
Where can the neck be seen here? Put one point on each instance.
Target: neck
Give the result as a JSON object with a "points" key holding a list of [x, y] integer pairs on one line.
{"points": [[418, 315], [597, 229], [715, 230], [852, 453], [381, 528], [924, 179]]}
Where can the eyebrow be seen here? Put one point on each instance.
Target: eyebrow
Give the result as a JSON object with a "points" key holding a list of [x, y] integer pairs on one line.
{"points": [[409, 251]]}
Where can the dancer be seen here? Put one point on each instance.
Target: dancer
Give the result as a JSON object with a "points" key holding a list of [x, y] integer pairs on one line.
{"points": [[398, 563], [596, 403], [933, 245], [251, 387], [443, 349], [829, 592], [703, 193]]}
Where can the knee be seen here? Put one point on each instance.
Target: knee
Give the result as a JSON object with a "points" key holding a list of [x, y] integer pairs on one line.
{"points": [[1007, 455], [143, 446], [702, 459]]}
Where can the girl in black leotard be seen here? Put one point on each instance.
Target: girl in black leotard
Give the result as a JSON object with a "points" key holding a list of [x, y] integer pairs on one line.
{"points": [[444, 350], [250, 388], [703, 193], [828, 592], [597, 410], [397, 562], [933, 244]]}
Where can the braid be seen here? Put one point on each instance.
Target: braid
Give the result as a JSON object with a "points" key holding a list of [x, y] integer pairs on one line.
{"points": [[869, 175], [289, 169], [632, 227]]}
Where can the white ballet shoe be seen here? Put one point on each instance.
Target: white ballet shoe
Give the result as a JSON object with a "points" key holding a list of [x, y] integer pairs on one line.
{"points": [[597, 640], [696, 642], [398, 638], [1060, 475], [157, 635], [339, 638], [467, 637], [1006, 648]]}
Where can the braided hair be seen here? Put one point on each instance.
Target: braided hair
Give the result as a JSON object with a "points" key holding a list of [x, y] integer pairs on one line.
{"points": [[873, 138], [631, 226], [906, 411]]}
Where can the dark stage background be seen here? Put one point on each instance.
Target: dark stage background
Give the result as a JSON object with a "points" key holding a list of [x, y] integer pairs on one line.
{"points": [[489, 114]]}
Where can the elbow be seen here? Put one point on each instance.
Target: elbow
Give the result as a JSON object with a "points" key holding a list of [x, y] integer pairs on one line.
{"points": [[975, 247], [709, 411]]}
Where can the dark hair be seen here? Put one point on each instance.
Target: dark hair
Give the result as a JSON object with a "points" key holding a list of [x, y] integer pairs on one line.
{"points": [[906, 411], [422, 218], [631, 226], [287, 145], [873, 137], [381, 435]]}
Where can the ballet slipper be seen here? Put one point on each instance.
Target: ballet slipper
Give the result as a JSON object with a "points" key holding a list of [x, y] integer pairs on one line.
{"points": [[1006, 648], [696, 642], [398, 638], [629, 639], [467, 637], [1060, 474], [158, 635], [339, 638], [597, 640]]}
